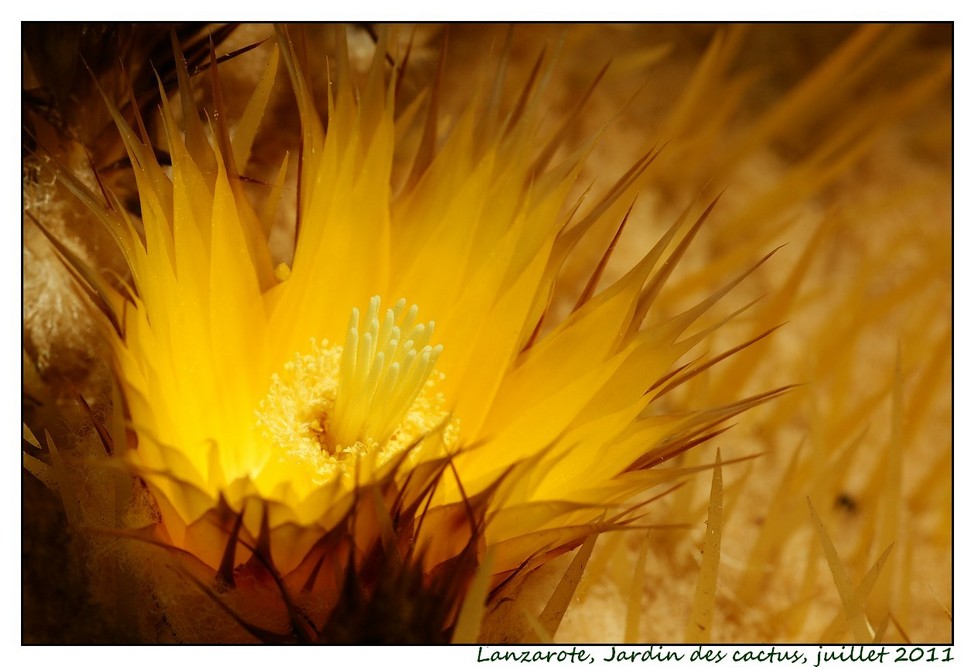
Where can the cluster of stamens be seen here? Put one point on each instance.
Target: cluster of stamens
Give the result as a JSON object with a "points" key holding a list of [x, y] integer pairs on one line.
{"points": [[376, 394]]}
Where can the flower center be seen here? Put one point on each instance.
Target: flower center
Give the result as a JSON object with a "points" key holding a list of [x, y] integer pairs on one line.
{"points": [[375, 395]]}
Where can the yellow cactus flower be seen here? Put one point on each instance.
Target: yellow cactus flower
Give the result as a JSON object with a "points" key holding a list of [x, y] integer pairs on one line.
{"points": [[413, 327]]}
